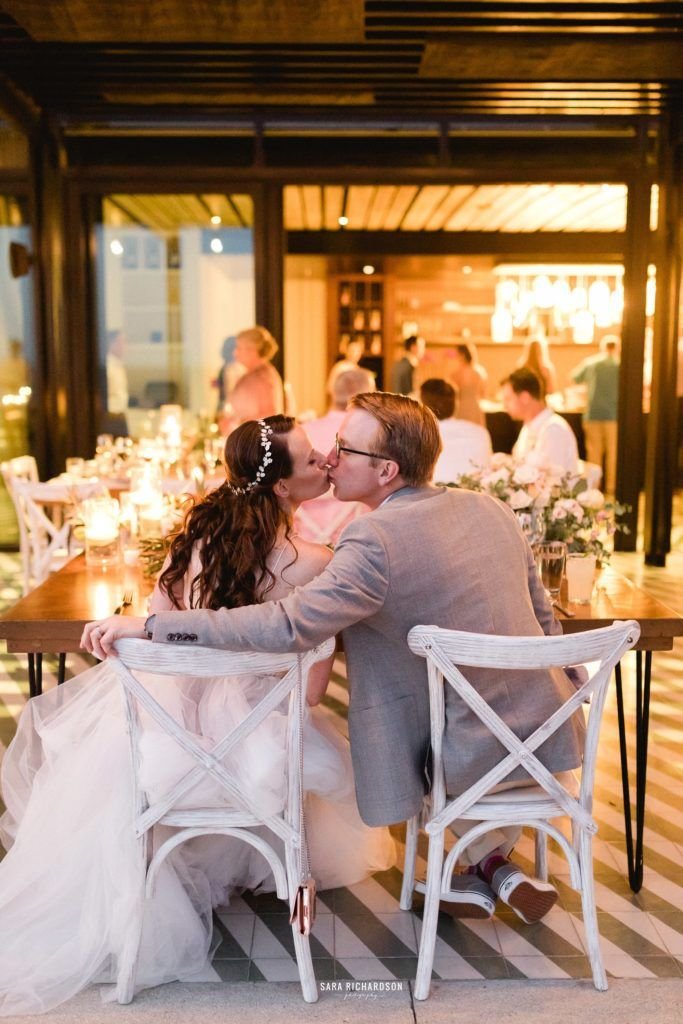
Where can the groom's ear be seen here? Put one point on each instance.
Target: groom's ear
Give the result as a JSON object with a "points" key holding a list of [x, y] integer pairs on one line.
{"points": [[389, 471], [280, 489]]}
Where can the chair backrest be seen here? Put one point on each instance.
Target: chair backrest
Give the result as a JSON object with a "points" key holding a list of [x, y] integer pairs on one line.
{"points": [[44, 542], [22, 468], [449, 651], [201, 662]]}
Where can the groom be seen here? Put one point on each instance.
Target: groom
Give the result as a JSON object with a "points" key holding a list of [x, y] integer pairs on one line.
{"points": [[423, 555]]}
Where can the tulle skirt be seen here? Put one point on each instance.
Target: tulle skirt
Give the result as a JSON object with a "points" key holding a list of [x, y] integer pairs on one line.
{"points": [[70, 882]]}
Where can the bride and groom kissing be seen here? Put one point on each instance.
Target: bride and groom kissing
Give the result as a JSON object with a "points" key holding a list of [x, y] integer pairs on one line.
{"points": [[237, 578]]}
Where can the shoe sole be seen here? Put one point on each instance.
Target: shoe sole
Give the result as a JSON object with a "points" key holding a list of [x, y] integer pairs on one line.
{"points": [[531, 903]]}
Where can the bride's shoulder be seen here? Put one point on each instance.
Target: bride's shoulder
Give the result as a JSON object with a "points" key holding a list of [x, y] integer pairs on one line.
{"points": [[311, 560]]}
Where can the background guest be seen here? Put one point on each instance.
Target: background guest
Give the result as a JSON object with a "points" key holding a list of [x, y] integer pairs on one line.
{"points": [[535, 358], [348, 360], [470, 380], [600, 374], [115, 421], [546, 439], [403, 372], [322, 431], [230, 372], [13, 369], [259, 392], [466, 445]]}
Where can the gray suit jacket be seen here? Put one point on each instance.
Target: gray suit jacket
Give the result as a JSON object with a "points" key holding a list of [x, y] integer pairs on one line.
{"points": [[451, 558]]}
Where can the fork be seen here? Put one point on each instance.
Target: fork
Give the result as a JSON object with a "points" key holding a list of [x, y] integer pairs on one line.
{"points": [[126, 600]]}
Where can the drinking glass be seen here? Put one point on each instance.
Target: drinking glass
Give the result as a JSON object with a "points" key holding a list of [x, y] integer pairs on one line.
{"points": [[580, 572], [550, 557], [75, 467]]}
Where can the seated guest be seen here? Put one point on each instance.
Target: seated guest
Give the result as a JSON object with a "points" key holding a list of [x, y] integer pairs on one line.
{"points": [[545, 439], [466, 445], [322, 519], [349, 382]]}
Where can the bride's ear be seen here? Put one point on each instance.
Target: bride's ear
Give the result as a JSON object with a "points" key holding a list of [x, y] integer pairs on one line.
{"points": [[280, 489]]}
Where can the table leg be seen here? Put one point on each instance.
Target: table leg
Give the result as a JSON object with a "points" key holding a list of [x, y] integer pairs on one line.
{"points": [[35, 675], [634, 853], [62, 669]]}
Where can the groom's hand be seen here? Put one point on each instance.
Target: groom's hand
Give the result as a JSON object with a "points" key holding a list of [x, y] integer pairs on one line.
{"points": [[100, 637]]}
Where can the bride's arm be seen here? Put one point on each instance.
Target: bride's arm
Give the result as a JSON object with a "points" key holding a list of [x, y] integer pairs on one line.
{"points": [[318, 679]]}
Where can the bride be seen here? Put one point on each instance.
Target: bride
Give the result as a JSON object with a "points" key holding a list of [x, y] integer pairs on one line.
{"points": [[68, 881]]}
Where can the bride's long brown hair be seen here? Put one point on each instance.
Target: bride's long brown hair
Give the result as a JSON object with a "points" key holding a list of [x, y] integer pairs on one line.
{"points": [[235, 532]]}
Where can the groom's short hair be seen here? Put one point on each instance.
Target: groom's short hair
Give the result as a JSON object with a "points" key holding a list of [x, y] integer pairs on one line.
{"points": [[408, 433]]}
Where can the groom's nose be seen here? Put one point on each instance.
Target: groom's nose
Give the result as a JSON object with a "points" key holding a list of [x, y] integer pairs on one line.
{"points": [[331, 459]]}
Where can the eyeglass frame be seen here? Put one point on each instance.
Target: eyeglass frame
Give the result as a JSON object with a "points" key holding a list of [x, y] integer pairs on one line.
{"points": [[356, 451]]}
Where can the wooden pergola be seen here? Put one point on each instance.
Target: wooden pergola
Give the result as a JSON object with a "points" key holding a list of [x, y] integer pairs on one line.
{"points": [[223, 96]]}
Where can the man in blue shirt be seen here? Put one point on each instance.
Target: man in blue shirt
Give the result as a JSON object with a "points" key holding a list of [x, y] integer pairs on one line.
{"points": [[600, 374]]}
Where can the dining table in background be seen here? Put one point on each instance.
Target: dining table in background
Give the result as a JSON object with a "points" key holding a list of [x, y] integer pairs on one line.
{"points": [[615, 597], [51, 618]]}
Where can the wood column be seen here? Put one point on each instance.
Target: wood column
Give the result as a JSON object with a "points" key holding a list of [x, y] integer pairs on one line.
{"points": [[630, 444], [269, 263], [48, 162], [662, 436]]}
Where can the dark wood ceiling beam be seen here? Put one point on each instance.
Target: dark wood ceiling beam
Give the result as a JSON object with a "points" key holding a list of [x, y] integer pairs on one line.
{"points": [[593, 246]]}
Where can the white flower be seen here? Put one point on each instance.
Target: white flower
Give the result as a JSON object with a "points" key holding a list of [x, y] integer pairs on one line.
{"points": [[519, 499], [500, 459], [501, 476], [570, 506], [591, 498], [542, 499], [525, 474], [559, 512]]}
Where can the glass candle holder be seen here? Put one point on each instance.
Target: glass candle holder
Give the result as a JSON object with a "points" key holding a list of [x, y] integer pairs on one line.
{"points": [[580, 572], [101, 527]]}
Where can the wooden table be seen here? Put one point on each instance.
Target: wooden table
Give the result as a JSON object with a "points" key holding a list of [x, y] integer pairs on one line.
{"points": [[51, 619], [615, 597]]}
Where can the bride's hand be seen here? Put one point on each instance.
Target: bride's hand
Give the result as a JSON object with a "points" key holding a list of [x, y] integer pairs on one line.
{"points": [[99, 637]]}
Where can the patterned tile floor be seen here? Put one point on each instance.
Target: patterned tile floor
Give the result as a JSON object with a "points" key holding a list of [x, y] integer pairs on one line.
{"points": [[361, 933]]}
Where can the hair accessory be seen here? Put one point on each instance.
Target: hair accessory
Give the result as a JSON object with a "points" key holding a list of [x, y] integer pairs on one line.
{"points": [[266, 461]]}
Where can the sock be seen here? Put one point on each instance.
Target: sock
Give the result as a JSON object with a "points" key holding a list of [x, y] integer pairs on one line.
{"points": [[490, 864]]}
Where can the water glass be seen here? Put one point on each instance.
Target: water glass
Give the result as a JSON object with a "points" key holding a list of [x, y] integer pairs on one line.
{"points": [[550, 557], [101, 522], [580, 572], [75, 467]]}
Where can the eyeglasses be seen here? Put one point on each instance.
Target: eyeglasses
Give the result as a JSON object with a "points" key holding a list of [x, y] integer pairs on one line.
{"points": [[339, 447]]}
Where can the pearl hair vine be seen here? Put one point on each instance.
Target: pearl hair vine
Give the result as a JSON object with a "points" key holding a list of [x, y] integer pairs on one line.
{"points": [[266, 461]]}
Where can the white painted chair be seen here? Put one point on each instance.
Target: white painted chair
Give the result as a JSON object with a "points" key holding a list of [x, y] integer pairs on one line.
{"points": [[25, 469], [241, 816], [46, 543], [448, 652]]}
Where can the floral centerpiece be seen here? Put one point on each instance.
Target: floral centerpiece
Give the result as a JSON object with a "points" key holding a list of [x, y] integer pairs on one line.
{"points": [[551, 505]]}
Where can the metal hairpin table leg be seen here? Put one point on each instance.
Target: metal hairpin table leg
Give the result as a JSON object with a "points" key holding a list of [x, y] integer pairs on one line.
{"points": [[35, 675], [62, 669], [635, 855]]}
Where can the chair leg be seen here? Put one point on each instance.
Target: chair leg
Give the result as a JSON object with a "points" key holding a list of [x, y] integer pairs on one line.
{"points": [[541, 845], [302, 945], [590, 920], [408, 883], [127, 961], [430, 917]]}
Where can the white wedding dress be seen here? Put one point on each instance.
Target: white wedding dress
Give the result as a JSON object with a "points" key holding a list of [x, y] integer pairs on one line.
{"points": [[69, 881]]}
